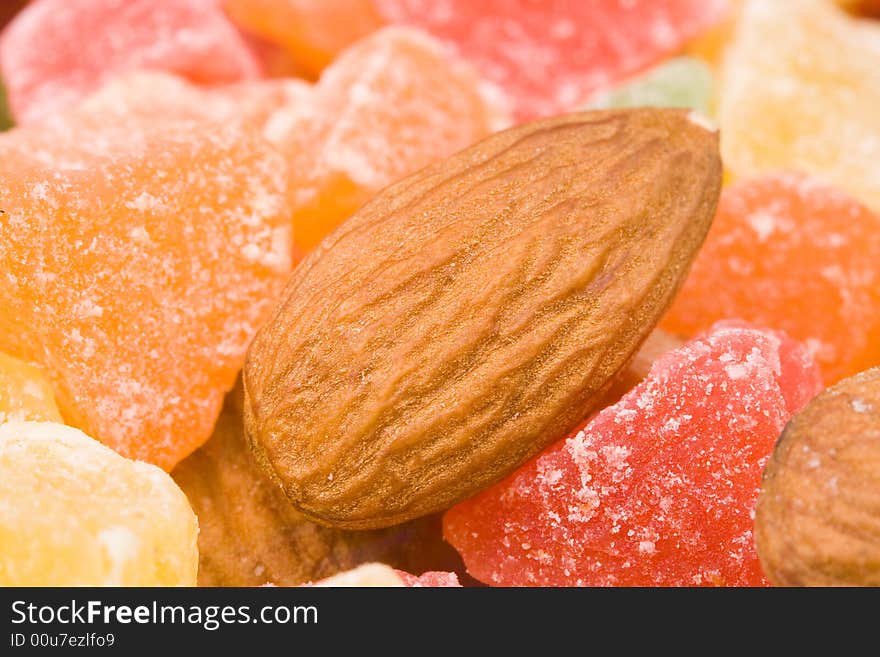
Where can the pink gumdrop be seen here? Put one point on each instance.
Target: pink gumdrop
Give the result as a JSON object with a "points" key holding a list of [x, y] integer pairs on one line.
{"points": [[549, 56], [656, 490], [56, 52]]}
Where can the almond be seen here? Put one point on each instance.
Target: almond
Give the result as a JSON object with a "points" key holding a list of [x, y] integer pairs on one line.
{"points": [[250, 534], [474, 312], [818, 517]]}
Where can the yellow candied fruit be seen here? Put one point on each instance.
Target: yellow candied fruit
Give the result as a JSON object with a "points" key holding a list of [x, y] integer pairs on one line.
{"points": [[76, 513], [25, 392]]}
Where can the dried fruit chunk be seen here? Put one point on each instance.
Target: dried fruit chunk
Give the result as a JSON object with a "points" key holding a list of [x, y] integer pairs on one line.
{"points": [[679, 82], [25, 392], [388, 106], [250, 534], [818, 516], [792, 253], [550, 56], [811, 56], [475, 312], [151, 94], [657, 490], [369, 574], [56, 52], [137, 260], [430, 579], [74, 513], [312, 31]]}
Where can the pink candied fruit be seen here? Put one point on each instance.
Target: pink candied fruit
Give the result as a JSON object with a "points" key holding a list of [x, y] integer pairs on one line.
{"points": [[434, 578], [548, 57], [56, 52], [658, 489]]}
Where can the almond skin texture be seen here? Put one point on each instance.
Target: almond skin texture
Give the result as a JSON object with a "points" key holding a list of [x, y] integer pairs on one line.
{"points": [[474, 312], [250, 534], [817, 521]]}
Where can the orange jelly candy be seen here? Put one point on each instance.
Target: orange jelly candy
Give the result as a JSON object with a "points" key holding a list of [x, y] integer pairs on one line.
{"points": [[388, 106], [25, 392], [148, 94], [312, 31], [137, 260], [791, 253]]}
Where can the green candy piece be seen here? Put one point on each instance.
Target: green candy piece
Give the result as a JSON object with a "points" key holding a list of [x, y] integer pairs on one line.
{"points": [[5, 115], [678, 82]]}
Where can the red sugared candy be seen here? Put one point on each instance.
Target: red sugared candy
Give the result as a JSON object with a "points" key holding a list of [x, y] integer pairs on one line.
{"points": [[550, 56], [656, 490], [56, 52], [794, 254], [434, 578]]}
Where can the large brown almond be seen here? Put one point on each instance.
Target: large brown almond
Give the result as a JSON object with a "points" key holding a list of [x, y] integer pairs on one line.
{"points": [[250, 534], [474, 312], [818, 517]]}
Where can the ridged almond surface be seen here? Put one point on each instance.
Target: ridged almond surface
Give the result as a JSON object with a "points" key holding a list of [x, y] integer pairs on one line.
{"points": [[818, 517], [474, 312]]}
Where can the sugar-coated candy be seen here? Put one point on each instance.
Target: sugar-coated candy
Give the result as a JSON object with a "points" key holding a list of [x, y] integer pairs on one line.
{"points": [[55, 52], [75, 513], [679, 82], [789, 252], [366, 575], [150, 94], [549, 57], [312, 31], [434, 578], [137, 260], [658, 489], [801, 91], [25, 392], [389, 105]]}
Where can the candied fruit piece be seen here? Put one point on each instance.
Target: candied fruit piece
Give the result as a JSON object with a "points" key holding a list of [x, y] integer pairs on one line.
{"points": [[430, 579], [250, 534], [388, 106], [368, 574], [25, 392], [658, 489], [75, 513], [549, 57], [312, 31], [791, 253], [801, 87], [55, 52], [679, 82], [137, 261], [148, 94]]}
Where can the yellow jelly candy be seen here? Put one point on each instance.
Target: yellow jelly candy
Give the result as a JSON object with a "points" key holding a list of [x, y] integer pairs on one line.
{"points": [[75, 513], [25, 393], [800, 92]]}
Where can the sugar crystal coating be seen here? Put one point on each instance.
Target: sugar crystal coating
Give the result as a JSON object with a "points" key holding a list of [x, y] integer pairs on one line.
{"points": [[389, 105], [548, 57], [137, 260], [75, 513], [801, 91], [25, 392], [792, 253], [658, 489], [56, 52]]}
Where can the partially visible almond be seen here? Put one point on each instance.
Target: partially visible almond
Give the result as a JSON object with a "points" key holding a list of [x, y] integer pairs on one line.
{"points": [[818, 517], [250, 535], [475, 312]]}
